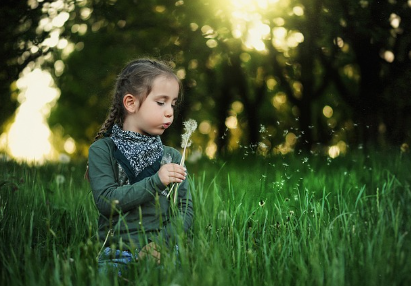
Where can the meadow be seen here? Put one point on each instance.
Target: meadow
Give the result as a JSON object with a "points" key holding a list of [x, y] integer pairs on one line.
{"points": [[283, 220]]}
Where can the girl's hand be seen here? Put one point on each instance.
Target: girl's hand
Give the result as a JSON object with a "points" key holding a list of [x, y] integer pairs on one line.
{"points": [[172, 173], [151, 250]]}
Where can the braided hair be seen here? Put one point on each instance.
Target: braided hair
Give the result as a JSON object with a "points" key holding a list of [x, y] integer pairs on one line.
{"points": [[136, 78]]}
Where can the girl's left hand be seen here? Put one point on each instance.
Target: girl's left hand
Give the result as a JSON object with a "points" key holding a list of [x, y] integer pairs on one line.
{"points": [[172, 173], [150, 250]]}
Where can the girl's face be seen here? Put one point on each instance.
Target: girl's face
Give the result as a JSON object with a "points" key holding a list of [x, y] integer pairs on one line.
{"points": [[156, 113]]}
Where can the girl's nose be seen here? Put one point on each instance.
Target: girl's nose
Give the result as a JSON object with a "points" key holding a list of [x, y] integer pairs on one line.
{"points": [[169, 112]]}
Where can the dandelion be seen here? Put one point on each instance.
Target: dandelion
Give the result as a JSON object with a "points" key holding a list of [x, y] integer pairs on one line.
{"points": [[64, 158], [189, 126], [194, 157], [223, 215], [166, 159], [60, 179]]}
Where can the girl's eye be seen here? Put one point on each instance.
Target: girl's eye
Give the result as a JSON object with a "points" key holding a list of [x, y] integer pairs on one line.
{"points": [[160, 103]]}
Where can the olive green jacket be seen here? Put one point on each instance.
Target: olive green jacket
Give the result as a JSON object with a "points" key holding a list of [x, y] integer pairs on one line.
{"points": [[135, 214]]}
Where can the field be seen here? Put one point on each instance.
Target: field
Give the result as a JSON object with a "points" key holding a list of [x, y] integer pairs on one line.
{"points": [[284, 220]]}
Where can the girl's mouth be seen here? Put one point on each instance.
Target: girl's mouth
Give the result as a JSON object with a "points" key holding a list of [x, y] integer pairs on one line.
{"points": [[166, 125]]}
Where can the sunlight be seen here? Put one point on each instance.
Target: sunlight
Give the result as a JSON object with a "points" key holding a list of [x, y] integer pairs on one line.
{"points": [[28, 137], [247, 22]]}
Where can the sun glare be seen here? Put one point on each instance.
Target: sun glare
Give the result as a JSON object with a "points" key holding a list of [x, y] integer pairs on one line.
{"points": [[249, 24], [28, 137]]}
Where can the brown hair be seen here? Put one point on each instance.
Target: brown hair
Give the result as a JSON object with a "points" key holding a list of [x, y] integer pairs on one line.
{"points": [[137, 79]]}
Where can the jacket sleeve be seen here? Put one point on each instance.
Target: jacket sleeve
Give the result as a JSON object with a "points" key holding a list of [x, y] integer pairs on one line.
{"points": [[106, 189]]}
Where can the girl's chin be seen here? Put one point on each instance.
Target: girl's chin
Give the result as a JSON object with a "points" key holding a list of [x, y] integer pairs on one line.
{"points": [[155, 132]]}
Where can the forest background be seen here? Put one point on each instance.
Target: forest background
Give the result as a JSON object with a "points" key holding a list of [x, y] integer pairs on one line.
{"points": [[313, 79], [266, 76]]}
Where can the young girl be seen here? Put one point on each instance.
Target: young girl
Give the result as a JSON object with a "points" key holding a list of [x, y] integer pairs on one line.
{"points": [[130, 169]]}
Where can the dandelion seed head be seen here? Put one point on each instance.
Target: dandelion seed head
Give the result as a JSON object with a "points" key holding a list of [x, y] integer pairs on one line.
{"points": [[223, 215], [189, 126], [60, 179], [64, 158], [166, 159], [185, 142]]}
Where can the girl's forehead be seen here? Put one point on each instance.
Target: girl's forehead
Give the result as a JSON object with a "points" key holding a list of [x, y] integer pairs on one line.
{"points": [[165, 78], [166, 86]]}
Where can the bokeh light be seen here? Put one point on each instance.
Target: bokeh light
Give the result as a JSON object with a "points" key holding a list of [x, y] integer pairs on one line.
{"points": [[28, 136]]}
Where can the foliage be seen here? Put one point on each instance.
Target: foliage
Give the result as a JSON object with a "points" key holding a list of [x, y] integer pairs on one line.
{"points": [[352, 56], [340, 63], [22, 40], [292, 220]]}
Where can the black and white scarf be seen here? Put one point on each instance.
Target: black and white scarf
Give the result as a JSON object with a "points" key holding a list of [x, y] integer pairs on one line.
{"points": [[140, 150]]}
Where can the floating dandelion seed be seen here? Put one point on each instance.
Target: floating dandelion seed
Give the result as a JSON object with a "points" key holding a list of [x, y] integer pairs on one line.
{"points": [[262, 129], [261, 203]]}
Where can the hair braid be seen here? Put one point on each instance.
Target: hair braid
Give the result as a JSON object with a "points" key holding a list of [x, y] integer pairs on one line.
{"points": [[112, 118]]}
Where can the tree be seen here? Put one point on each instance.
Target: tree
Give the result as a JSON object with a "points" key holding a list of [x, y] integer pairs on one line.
{"points": [[105, 36], [330, 54], [22, 43]]}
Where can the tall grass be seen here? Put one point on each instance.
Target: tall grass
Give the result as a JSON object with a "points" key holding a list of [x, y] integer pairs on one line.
{"points": [[293, 220]]}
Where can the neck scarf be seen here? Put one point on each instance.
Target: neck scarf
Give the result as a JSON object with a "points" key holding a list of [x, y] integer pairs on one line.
{"points": [[140, 150]]}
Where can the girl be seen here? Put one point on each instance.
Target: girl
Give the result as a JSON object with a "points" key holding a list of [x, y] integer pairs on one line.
{"points": [[130, 169]]}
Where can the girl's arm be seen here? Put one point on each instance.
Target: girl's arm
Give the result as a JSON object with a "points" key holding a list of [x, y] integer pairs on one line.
{"points": [[105, 188]]}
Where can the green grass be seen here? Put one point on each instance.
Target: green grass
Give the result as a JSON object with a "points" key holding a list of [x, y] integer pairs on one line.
{"points": [[293, 220]]}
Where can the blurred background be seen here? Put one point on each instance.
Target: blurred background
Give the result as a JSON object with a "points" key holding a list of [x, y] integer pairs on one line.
{"points": [[260, 76]]}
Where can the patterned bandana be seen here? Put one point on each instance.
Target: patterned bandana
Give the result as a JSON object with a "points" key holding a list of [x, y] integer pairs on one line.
{"points": [[140, 150]]}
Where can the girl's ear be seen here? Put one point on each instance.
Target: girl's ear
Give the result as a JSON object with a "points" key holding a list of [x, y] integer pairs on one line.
{"points": [[130, 103]]}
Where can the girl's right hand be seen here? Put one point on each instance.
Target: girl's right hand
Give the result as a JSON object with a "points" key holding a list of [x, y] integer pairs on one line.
{"points": [[172, 173], [151, 250]]}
